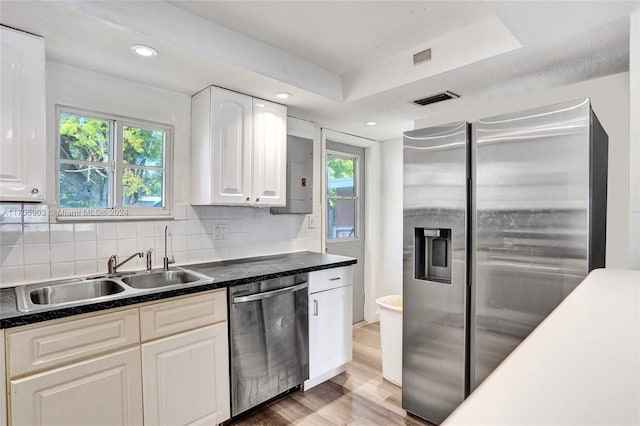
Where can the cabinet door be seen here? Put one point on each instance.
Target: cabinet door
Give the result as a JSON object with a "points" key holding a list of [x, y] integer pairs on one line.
{"points": [[330, 319], [231, 122], [22, 98], [100, 391], [269, 153], [186, 378]]}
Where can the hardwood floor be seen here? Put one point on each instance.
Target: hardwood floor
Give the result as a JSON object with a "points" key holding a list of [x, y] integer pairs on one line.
{"points": [[359, 396]]}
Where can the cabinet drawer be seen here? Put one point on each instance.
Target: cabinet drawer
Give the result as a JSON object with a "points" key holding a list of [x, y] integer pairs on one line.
{"points": [[327, 279], [166, 318], [52, 345]]}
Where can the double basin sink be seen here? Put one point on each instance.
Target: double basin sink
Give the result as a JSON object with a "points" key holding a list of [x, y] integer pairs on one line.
{"points": [[103, 287]]}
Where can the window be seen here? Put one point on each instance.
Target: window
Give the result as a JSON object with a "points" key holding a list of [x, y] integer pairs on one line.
{"points": [[108, 164], [342, 196]]}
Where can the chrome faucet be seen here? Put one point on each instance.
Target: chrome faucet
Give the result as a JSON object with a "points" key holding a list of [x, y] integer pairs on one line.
{"points": [[113, 265], [165, 259]]}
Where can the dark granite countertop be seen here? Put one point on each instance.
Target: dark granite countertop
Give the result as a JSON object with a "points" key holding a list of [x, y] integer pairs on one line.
{"points": [[224, 274]]}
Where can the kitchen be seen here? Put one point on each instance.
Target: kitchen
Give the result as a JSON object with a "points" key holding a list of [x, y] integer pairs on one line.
{"points": [[90, 68]]}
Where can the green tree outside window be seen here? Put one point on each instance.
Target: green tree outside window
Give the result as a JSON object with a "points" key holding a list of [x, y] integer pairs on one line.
{"points": [[86, 177]]}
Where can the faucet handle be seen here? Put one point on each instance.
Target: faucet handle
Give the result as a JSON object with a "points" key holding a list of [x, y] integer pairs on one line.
{"points": [[149, 261], [111, 264], [167, 262]]}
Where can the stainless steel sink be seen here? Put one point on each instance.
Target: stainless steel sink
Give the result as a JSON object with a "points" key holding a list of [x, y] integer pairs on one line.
{"points": [[162, 279], [74, 291], [104, 287], [65, 293]]}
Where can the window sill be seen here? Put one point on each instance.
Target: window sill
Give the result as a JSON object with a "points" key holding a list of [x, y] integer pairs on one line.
{"points": [[112, 218]]}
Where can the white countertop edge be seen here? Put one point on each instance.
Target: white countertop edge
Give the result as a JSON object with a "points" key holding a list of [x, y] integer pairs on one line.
{"points": [[580, 366]]}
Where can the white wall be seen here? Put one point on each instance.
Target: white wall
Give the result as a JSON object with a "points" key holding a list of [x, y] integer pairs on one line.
{"points": [[38, 247], [79, 88], [634, 141], [373, 229], [610, 97], [391, 249]]}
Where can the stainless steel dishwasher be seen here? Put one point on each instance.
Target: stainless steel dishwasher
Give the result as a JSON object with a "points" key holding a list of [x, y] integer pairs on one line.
{"points": [[268, 327]]}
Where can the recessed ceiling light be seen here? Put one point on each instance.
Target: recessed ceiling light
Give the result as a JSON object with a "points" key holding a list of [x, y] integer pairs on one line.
{"points": [[370, 123], [283, 95], [143, 50]]}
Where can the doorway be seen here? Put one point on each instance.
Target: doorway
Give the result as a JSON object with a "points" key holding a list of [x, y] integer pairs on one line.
{"points": [[344, 212]]}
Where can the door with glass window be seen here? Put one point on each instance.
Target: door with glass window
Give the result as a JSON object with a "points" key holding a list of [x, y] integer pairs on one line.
{"points": [[345, 212]]}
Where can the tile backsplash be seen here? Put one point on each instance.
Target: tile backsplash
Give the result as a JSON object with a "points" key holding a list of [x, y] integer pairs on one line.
{"points": [[34, 246]]}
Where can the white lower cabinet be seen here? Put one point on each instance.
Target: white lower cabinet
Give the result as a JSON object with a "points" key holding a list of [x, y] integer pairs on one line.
{"points": [[101, 370], [329, 338], [330, 324], [101, 391], [186, 378]]}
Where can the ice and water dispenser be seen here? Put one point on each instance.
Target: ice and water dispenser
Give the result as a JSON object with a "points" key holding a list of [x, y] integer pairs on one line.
{"points": [[432, 254]]}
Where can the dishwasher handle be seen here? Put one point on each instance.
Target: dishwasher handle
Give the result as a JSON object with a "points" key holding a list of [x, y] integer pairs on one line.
{"points": [[268, 294]]}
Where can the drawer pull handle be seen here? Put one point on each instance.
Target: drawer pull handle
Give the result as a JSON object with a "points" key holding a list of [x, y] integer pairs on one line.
{"points": [[269, 294], [334, 279], [315, 308]]}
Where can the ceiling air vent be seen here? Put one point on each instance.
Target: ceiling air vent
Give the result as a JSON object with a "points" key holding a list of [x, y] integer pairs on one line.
{"points": [[444, 96], [420, 57]]}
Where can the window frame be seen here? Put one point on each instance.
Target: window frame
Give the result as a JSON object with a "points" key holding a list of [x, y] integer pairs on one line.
{"points": [[355, 197], [116, 166]]}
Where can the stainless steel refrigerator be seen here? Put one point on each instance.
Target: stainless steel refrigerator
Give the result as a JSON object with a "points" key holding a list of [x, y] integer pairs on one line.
{"points": [[502, 219]]}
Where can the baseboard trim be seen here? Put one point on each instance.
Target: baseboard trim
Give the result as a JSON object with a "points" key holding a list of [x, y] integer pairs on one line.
{"points": [[360, 324], [308, 384]]}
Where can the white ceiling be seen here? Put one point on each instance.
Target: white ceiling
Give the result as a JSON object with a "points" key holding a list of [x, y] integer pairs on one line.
{"points": [[344, 62], [341, 36]]}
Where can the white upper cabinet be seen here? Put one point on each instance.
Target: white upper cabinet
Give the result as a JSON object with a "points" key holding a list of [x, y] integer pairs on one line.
{"points": [[22, 116], [221, 147], [269, 153], [238, 150]]}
